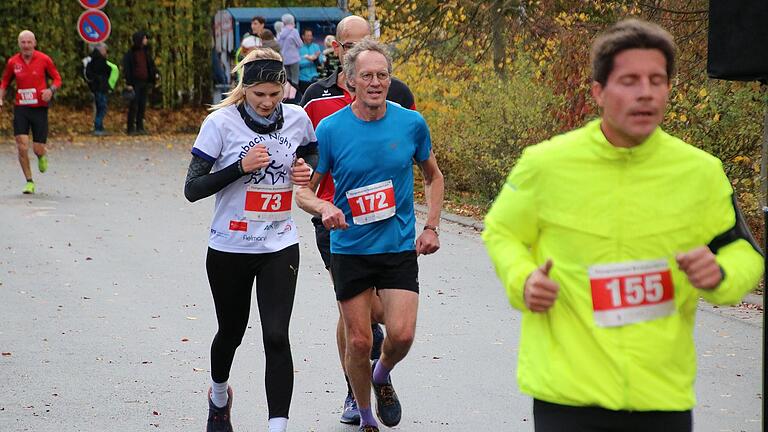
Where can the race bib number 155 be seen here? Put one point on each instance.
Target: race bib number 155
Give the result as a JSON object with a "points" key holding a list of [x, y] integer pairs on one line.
{"points": [[630, 292]]}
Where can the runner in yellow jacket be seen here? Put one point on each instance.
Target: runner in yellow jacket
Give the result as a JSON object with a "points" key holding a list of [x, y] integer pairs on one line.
{"points": [[605, 237]]}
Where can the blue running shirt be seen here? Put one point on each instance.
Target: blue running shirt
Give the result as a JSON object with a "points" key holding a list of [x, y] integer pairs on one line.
{"points": [[361, 153]]}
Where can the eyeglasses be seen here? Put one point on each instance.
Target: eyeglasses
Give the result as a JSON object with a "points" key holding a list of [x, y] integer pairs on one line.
{"points": [[368, 76], [348, 45]]}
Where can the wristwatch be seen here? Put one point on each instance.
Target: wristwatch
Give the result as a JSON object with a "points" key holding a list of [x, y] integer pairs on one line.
{"points": [[432, 228]]}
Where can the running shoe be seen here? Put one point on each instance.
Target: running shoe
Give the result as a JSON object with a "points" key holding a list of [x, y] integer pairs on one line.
{"points": [[388, 408], [368, 428], [378, 340], [29, 188], [42, 163], [218, 418], [350, 414]]}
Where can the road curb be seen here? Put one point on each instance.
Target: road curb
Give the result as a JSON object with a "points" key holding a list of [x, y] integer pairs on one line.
{"points": [[752, 299], [450, 217]]}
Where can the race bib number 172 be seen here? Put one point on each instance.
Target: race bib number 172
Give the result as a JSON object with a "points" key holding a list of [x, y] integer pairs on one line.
{"points": [[630, 292], [372, 203]]}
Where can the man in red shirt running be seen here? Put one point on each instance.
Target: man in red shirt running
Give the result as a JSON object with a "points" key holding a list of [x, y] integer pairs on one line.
{"points": [[31, 70]]}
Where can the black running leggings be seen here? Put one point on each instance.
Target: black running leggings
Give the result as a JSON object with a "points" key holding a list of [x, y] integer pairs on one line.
{"points": [[231, 277], [549, 417]]}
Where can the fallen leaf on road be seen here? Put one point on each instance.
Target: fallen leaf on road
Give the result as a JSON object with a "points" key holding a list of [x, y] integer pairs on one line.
{"points": [[191, 318], [198, 370], [184, 339], [6, 354]]}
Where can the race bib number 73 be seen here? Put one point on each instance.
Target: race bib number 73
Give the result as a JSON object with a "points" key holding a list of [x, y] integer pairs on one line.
{"points": [[268, 203], [630, 292]]}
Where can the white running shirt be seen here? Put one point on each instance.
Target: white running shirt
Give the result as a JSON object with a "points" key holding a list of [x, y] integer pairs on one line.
{"points": [[223, 139]]}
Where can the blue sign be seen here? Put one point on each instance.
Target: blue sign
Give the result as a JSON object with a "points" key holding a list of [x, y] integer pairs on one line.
{"points": [[93, 4], [94, 26]]}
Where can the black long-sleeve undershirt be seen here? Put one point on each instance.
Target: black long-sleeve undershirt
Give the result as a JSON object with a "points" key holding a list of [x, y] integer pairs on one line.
{"points": [[201, 183]]}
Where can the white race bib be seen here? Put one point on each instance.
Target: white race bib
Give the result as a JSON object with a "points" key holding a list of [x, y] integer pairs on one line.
{"points": [[27, 96], [372, 203], [268, 202], [630, 292]]}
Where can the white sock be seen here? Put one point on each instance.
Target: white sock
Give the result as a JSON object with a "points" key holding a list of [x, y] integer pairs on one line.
{"points": [[219, 395], [278, 424]]}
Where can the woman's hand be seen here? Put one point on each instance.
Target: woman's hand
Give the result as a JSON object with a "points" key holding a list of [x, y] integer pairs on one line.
{"points": [[256, 159]]}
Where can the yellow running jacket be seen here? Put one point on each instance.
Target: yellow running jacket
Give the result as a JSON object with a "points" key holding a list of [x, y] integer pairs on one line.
{"points": [[620, 334]]}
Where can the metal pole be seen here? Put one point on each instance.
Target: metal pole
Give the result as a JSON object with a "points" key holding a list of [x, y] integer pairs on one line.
{"points": [[764, 160], [372, 19], [765, 286]]}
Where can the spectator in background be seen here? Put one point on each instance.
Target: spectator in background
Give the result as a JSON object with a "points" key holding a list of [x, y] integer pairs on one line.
{"points": [[331, 62], [310, 55], [247, 45], [140, 74], [97, 73], [290, 42], [278, 27], [257, 26], [268, 40]]}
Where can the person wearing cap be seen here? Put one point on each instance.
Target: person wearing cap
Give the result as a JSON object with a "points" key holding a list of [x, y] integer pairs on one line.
{"points": [[250, 153], [247, 45], [605, 238], [140, 75], [98, 73]]}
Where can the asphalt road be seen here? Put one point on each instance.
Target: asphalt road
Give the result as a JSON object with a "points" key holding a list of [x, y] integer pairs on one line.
{"points": [[106, 316]]}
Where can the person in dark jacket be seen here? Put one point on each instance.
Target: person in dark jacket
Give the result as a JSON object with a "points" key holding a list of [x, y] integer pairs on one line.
{"points": [[97, 72], [140, 73]]}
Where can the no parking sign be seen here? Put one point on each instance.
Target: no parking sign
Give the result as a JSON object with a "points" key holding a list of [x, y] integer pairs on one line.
{"points": [[93, 4], [94, 26]]}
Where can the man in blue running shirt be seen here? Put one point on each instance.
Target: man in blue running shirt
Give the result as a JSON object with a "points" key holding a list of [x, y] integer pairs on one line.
{"points": [[369, 148]]}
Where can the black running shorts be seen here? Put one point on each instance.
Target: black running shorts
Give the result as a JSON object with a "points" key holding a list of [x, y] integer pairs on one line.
{"points": [[550, 417], [35, 118], [323, 241], [353, 274]]}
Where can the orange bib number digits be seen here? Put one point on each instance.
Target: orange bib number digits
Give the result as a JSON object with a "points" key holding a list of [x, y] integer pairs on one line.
{"points": [[630, 292], [372, 203], [268, 203]]}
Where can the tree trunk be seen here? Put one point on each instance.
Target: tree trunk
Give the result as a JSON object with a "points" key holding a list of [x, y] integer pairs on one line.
{"points": [[499, 36]]}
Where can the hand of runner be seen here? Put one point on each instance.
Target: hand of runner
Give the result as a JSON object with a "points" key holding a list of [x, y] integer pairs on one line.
{"points": [[540, 291], [256, 159], [427, 243], [301, 172], [700, 267], [46, 95], [333, 218]]}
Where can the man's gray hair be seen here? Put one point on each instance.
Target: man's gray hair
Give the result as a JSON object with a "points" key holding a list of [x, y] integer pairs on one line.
{"points": [[288, 19], [98, 46], [366, 44]]}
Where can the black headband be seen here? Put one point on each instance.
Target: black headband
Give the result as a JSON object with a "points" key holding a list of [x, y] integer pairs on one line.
{"points": [[263, 71]]}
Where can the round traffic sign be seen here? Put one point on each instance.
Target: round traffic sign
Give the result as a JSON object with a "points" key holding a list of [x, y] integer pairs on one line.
{"points": [[94, 26], [93, 4]]}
